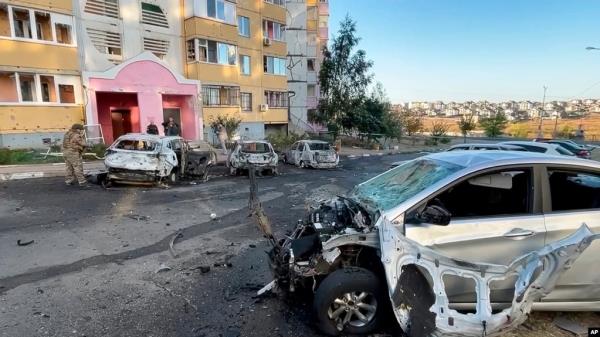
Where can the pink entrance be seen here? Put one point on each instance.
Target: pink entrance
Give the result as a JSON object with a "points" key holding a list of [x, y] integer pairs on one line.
{"points": [[128, 97]]}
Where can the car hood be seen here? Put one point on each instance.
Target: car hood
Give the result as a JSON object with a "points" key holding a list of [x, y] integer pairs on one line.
{"points": [[130, 160]]}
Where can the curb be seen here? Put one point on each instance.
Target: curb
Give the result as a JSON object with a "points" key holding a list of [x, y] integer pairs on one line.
{"points": [[21, 175]]}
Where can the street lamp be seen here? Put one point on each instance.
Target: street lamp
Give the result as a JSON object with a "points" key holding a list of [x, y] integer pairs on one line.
{"points": [[540, 131]]}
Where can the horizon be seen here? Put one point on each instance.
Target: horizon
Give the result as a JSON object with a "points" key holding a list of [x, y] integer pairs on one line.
{"points": [[473, 51]]}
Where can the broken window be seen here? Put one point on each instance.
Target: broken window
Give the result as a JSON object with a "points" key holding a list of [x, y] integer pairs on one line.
{"points": [[506, 192], [8, 87], [105, 42], [43, 26], [48, 88], [27, 86], [22, 23], [158, 47], [154, 15], [310, 64], [66, 93], [572, 190], [63, 33], [4, 22], [191, 50], [255, 148], [136, 145]]}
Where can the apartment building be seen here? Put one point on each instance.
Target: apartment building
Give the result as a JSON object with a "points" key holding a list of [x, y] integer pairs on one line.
{"points": [[133, 61], [306, 35], [40, 87], [238, 51]]}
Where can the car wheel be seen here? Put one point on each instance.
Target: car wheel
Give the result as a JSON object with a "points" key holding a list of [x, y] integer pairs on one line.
{"points": [[232, 170], [349, 301], [173, 177], [302, 164]]}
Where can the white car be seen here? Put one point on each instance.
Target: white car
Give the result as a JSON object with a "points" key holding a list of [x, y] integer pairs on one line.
{"points": [[139, 157], [312, 153], [253, 153], [538, 147]]}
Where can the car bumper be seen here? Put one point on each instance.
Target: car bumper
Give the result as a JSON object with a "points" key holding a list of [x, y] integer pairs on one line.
{"points": [[132, 176]]}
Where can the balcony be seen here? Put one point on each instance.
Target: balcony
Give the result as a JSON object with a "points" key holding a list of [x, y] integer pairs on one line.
{"points": [[25, 54], [323, 8], [22, 119], [324, 33], [208, 28], [274, 12]]}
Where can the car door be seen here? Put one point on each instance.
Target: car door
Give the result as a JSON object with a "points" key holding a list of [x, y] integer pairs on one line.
{"points": [[572, 198], [167, 159], [292, 158], [496, 217], [306, 154]]}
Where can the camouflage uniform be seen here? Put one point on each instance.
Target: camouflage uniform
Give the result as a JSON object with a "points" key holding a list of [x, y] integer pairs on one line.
{"points": [[73, 146]]}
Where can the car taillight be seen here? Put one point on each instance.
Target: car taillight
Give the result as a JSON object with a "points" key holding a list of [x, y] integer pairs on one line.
{"points": [[584, 153]]}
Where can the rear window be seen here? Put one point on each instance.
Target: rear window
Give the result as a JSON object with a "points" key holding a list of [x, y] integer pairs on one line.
{"points": [[136, 145], [533, 148], [319, 147], [564, 151], [255, 148]]}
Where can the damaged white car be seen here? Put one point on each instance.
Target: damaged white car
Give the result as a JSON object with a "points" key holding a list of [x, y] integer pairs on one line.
{"points": [[460, 243], [142, 158], [311, 153], [253, 153]]}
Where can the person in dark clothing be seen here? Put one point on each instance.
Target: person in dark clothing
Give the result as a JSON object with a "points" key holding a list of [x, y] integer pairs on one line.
{"points": [[152, 129], [171, 128]]}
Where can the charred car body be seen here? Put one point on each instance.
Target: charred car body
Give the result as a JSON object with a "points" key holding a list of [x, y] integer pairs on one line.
{"points": [[311, 153], [410, 235], [253, 153], [142, 158]]}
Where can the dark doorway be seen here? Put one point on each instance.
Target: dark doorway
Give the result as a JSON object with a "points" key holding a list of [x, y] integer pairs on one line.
{"points": [[121, 122], [172, 112]]}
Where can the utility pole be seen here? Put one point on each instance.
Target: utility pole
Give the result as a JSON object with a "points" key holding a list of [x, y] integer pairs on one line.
{"points": [[540, 132]]}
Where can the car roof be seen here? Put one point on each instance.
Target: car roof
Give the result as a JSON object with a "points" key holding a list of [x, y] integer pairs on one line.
{"points": [[145, 136], [539, 144], [313, 141], [253, 141], [471, 159], [474, 144]]}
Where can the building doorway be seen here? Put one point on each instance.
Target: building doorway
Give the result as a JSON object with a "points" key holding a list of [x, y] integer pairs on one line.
{"points": [[172, 112], [121, 122]]}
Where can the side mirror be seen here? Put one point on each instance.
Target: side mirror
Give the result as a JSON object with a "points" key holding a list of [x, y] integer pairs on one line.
{"points": [[435, 215]]}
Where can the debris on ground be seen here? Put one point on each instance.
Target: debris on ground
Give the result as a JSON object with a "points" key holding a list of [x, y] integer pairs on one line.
{"points": [[138, 217], [162, 268], [24, 243], [213, 216], [172, 242], [569, 325]]}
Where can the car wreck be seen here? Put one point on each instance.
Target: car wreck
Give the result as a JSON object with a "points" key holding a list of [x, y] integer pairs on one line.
{"points": [[258, 154], [142, 158], [405, 237], [311, 153]]}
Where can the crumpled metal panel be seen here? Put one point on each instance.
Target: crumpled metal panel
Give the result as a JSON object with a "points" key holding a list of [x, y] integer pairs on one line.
{"points": [[537, 274]]}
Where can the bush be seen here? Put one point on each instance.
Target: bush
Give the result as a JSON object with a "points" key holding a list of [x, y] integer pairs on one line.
{"points": [[439, 131], [281, 141], [493, 126], [97, 149]]}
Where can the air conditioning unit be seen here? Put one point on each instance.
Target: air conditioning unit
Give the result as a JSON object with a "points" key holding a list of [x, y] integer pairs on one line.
{"points": [[266, 41], [264, 107]]}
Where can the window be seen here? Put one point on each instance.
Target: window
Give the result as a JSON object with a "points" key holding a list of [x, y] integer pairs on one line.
{"points": [[153, 15], [48, 88], [573, 190], [106, 42], [221, 9], [220, 96], [211, 51], [4, 21], [276, 2], [191, 50], [276, 99], [43, 25], [273, 30], [22, 23], [63, 33], [227, 54], [506, 192], [8, 87], [311, 90], [274, 65], [27, 87], [66, 93], [245, 64], [246, 101], [158, 47], [108, 8], [310, 64], [244, 26]]}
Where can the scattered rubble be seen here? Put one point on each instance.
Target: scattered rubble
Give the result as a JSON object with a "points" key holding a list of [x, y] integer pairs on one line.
{"points": [[24, 243]]}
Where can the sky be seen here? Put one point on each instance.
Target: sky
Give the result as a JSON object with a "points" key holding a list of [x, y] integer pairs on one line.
{"points": [[495, 50]]}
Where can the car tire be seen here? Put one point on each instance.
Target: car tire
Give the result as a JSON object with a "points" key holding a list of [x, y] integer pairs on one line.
{"points": [[173, 177], [302, 164], [233, 171], [341, 295]]}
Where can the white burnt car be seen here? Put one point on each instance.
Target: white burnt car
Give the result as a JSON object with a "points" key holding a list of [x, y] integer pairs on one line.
{"points": [[256, 153], [146, 158], [311, 153]]}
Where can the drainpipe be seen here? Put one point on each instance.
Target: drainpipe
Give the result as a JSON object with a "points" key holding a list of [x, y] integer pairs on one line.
{"points": [[289, 111]]}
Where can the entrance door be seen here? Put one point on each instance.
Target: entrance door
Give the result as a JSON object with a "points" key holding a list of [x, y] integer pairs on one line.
{"points": [[172, 112], [121, 122]]}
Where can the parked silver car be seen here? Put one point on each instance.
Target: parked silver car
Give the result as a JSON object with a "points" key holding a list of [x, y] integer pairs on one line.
{"points": [[452, 230], [482, 147], [539, 147], [256, 153], [311, 153]]}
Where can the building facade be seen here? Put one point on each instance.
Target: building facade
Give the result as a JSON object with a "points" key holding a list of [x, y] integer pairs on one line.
{"points": [[40, 85], [237, 50], [306, 35]]}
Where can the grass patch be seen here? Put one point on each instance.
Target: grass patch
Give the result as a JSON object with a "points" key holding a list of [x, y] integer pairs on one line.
{"points": [[29, 156]]}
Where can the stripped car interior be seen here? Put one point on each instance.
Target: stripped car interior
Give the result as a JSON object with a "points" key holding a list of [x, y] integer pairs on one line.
{"points": [[258, 154]]}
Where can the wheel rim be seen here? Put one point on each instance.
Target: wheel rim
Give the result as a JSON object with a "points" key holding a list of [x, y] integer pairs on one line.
{"points": [[356, 309]]}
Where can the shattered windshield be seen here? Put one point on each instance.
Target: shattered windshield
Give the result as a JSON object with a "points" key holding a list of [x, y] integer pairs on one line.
{"points": [[403, 182], [319, 146], [136, 145], [255, 148]]}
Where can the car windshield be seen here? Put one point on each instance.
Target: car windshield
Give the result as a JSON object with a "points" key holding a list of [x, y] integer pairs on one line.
{"points": [[319, 146], [403, 182], [255, 148], [564, 151], [136, 145]]}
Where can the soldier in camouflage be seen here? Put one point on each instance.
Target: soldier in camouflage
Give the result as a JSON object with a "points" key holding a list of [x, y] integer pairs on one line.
{"points": [[73, 146]]}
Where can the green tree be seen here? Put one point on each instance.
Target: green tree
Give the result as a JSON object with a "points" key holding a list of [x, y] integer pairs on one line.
{"points": [[411, 123], [231, 124], [376, 118], [466, 124], [439, 131], [493, 126], [343, 78]]}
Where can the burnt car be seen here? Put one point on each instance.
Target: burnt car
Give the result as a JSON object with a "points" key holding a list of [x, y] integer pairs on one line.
{"points": [[142, 158], [448, 232], [311, 153], [253, 153]]}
